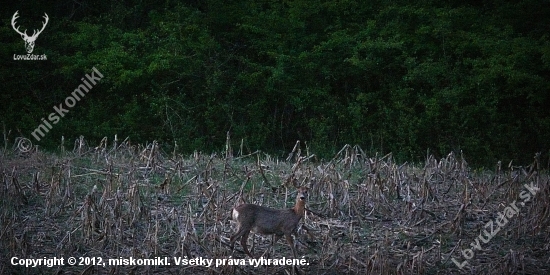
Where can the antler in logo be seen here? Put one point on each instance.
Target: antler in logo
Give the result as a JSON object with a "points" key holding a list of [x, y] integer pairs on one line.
{"points": [[29, 40]]}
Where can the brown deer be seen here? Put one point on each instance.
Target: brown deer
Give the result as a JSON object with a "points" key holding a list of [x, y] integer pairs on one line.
{"points": [[269, 221]]}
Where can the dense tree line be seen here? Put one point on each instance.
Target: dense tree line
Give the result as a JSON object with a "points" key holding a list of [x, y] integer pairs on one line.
{"points": [[390, 76]]}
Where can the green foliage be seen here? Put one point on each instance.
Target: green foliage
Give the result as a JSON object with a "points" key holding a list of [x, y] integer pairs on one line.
{"points": [[389, 76]]}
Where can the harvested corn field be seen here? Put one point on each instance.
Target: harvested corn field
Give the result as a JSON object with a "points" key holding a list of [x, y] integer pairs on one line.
{"points": [[119, 208]]}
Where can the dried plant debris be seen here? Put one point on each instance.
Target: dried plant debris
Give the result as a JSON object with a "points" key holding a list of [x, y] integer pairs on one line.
{"points": [[365, 214]]}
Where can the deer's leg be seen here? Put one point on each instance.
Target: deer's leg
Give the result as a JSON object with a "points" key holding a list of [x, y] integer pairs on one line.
{"points": [[290, 242], [244, 238], [234, 238]]}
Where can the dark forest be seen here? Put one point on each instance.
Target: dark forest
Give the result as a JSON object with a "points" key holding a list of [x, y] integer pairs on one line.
{"points": [[435, 77]]}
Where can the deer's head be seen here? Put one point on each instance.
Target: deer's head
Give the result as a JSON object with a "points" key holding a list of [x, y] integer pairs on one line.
{"points": [[29, 40]]}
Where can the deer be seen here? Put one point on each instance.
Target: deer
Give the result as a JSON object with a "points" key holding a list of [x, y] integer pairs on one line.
{"points": [[269, 221]]}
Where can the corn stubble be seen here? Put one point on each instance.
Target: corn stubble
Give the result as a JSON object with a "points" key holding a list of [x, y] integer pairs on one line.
{"points": [[365, 214]]}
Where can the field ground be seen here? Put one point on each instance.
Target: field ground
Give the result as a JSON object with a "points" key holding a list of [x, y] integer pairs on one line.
{"points": [[367, 214]]}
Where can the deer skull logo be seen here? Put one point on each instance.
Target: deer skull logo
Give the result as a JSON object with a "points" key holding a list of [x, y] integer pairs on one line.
{"points": [[29, 40]]}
